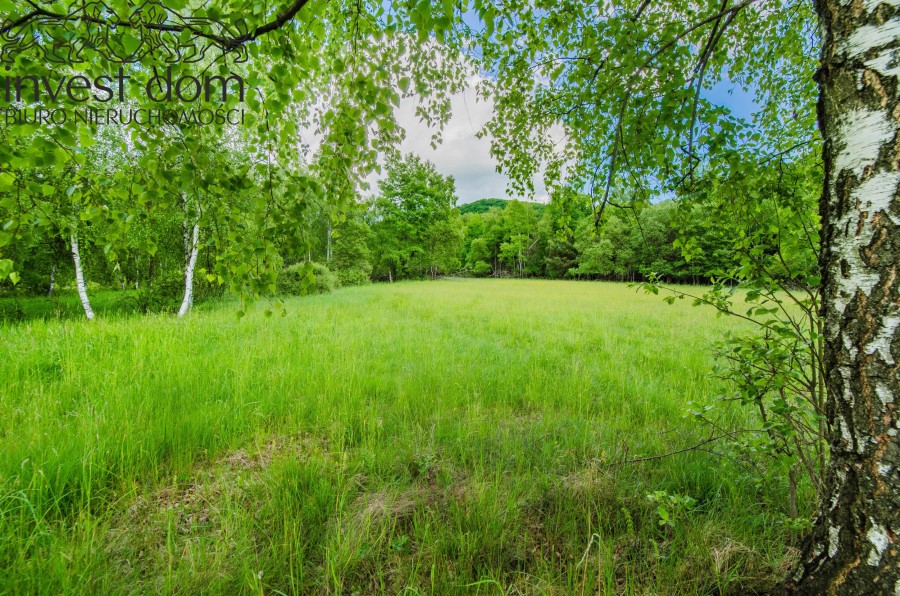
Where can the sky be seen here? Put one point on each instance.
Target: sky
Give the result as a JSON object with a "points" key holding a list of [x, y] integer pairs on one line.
{"points": [[461, 154], [468, 158]]}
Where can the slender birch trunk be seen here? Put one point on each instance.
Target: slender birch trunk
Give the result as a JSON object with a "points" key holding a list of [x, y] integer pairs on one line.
{"points": [[328, 243], [854, 546], [79, 279], [192, 243], [52, 279]]}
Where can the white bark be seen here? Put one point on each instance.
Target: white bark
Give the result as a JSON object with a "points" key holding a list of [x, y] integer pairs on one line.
{"points": [[328, 243], [52, 279], [79, 279], [850, 550], [194, 243]]}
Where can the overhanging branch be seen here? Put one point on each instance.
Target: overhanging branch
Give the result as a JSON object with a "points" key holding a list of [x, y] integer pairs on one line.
{"points": [[225, 42]]}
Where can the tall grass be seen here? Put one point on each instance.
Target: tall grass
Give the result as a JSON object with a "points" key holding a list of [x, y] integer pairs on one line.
{"points": [[443, 437]]}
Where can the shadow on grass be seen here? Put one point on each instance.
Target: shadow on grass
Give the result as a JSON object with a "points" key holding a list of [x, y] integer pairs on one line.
{"points": [[65, 305]]}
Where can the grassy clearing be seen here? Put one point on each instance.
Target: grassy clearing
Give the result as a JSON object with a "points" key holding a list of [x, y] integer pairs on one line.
{"points": [[445, 437]]}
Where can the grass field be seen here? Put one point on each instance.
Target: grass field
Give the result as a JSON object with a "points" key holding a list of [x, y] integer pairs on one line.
{"points": [[433, 437]]}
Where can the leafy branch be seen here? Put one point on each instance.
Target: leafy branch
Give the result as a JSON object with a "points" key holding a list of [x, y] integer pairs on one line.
{"points": [[227, 43]]}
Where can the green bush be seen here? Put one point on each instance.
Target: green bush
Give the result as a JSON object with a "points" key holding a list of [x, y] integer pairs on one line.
{"points": [[163, 294], [355, 276], [481, 269], [300, 279]]}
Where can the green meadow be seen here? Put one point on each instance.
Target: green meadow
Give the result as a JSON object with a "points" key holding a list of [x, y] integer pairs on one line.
{"points": [[458, 436]]}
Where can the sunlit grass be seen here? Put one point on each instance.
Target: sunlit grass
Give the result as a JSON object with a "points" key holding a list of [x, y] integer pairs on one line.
{"points": [[452, 436]]}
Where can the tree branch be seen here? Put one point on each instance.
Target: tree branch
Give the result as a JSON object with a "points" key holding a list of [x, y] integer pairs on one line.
{"points": [[226, 42]]}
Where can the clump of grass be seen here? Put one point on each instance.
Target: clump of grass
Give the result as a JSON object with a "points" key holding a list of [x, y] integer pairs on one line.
{"points": [[444, 437]]}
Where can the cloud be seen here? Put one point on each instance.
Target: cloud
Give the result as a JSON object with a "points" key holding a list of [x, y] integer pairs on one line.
{"points": [[461, 154]]}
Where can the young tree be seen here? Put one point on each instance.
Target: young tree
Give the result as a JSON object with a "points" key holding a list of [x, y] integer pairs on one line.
{"points": [[560, 221], [415, 221], [191, 249], [351, 253]]}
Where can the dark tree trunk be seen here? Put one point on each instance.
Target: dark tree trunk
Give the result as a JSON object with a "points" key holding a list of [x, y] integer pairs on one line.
{"points": [[853, 548]]}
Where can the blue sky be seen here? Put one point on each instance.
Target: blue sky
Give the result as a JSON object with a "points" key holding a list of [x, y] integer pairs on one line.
{"points": [[730, 95]]}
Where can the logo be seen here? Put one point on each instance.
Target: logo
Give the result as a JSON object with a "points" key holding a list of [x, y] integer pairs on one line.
{"points": [[150, 30], [147, 37]]}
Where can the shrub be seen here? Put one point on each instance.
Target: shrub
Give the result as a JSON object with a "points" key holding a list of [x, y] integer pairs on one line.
{"points": [[163, 294], [300, 279], [481, 269], [355, 276]]}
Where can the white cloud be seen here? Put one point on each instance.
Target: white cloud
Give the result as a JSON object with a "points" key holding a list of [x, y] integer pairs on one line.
{"points": [[461, 154]]}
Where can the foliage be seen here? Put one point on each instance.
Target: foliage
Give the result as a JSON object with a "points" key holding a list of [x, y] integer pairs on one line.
{"points": [[485, 205], [416, 227], [775, 372], [629, 84], [670, 507], [338, 68], [352, 253], [300, 279], [566, 242]]}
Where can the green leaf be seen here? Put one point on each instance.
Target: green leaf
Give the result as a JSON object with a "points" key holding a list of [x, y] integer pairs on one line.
{"points": [[6, 181], [130, 43]]}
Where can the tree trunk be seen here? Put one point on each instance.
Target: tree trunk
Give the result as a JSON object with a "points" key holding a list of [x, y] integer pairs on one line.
{"points": [[853, 548], [79, 279], [328, 242], [192, 242], [52, 279]]}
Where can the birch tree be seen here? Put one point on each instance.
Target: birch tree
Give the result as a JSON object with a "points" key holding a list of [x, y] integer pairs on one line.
{"points": [[191, 248], [853, 547], [80, 284]]}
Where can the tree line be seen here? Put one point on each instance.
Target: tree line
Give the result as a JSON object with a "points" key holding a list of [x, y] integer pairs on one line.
{"points": [[412, 229]]}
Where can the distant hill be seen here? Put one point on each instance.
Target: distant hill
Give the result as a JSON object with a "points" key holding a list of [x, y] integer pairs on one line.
{"points": [[485, 205]]}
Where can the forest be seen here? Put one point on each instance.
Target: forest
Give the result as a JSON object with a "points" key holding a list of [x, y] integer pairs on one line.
{"points": [[268, 324]]}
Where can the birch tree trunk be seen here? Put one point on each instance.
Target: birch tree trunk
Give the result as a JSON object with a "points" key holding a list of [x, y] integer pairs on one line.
{"points": [[79, 279], [328, 242], [52, 279], [854, 546], [192, 243]]}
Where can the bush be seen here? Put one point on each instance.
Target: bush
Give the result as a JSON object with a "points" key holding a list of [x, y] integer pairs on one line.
{"points": [[163, 295], [481, 269], [355, 276], [300, 279]]}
